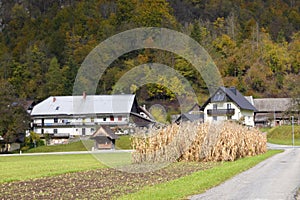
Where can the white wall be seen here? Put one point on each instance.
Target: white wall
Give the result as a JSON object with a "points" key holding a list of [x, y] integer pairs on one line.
{"points": [[222, 105], [248, 115], [75, 126]]}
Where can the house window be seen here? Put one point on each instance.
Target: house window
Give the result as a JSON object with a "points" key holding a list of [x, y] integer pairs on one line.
{"points": [[92, 130], [215, 106], [55, 120], [112, 118], [55, 131], [104, 119], [83, 131], [42, 131], [119, 118], [228, 106]]}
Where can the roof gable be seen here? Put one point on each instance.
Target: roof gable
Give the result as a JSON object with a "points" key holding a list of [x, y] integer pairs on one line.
{"points": [[189, 117], [91, 104], [223, 94], [238, 98], [104, 131], [195, 107]]}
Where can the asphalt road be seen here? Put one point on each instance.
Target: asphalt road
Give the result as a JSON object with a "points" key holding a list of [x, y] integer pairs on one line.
{"points": [[273, 179]]}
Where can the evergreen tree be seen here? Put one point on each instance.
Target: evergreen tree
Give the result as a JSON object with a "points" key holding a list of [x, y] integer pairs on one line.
{"points": [[14, 119], [55, 79]]}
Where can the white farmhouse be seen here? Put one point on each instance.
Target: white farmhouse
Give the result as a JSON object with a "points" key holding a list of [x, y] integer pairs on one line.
{"points": [[67, 116], [229, 104]]}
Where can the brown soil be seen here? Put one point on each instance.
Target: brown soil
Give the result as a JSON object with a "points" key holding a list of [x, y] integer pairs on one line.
{"points": [[94, 184]]}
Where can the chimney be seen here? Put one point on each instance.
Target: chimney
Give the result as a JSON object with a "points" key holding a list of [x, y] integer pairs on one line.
{"points": [[84, 95], [233, 90], [54, 99]]}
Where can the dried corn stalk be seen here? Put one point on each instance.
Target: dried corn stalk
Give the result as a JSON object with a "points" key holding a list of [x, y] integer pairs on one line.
{"points": [[226, 141]]}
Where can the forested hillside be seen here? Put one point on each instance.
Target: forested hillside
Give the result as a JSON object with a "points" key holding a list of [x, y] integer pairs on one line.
{"points": [[255, 44]]}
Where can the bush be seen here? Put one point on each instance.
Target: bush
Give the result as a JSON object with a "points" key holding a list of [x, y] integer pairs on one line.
{"points": [[32, 141], [25, 148]]}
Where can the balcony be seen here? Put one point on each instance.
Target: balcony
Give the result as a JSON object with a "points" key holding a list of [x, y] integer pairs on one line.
{"points": [[220, 112]]}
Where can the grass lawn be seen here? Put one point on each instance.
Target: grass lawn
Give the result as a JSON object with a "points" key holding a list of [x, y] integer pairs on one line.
{"points": [[122, 143], [199, 181], [74, 146], [26, 167], [283, 135], [265, 129]]}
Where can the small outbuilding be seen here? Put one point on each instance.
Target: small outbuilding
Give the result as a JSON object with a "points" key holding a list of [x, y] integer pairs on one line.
{"points": [[190, 117], [104, 138]]}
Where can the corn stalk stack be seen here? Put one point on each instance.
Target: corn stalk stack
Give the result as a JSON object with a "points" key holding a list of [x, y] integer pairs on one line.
{"points": [[225, 141]]}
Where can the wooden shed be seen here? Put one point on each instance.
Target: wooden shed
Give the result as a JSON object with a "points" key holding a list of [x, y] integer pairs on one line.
{"points": [[104, 138]]}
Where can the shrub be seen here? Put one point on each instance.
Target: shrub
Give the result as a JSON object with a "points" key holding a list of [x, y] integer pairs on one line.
{"points": [[32, 141]]}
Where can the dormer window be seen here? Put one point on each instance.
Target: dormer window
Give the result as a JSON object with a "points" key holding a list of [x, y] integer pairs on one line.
{"points": [[218, 97], [57, 108]]}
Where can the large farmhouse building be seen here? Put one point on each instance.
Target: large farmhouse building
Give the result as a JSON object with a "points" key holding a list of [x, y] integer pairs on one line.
{"points": [[67, 116], [229, 104], [274, 111]]}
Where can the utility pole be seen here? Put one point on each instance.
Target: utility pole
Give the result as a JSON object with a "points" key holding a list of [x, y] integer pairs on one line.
{"points": [[274, 116], [293, 130]]}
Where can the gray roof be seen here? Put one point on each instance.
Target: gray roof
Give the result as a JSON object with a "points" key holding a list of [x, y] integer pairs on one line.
{"points": [[190, 117], [250, 99], [104, 131], [238, 98], [78, 105], [272, 104], [234, 95]]}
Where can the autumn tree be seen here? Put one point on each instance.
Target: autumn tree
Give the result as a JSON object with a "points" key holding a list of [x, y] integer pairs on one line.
{"points": [[242, 37]]}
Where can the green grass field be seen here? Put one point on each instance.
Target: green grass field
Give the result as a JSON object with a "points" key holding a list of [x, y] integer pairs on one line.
{"points": [[283, 135], [122, 143], [26, 167], [23, 167], [265, 129], [74, 146], [198, 182]]}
